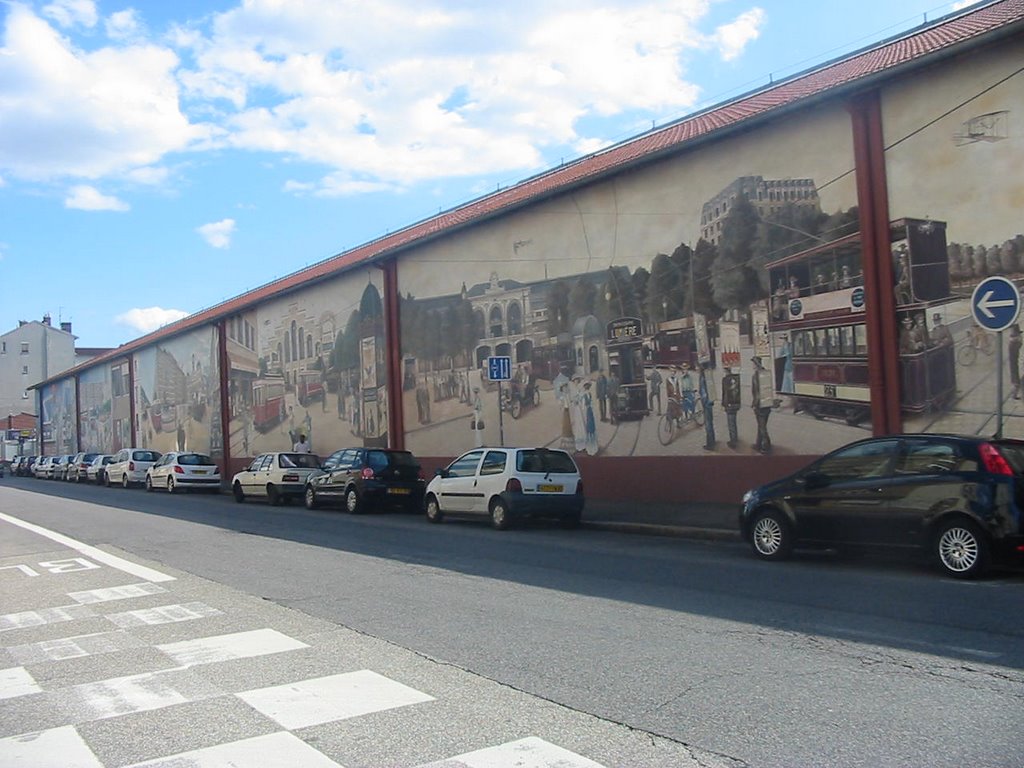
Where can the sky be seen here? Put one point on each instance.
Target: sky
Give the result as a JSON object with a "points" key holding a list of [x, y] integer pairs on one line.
{"points": [[158, 158]]}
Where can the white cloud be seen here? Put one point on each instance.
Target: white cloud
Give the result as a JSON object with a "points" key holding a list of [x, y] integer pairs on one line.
{"points": [[732, 38], [68, 13], [150, 318], [218, 233], [86, 198], [124, 25], [71, 113], [376, 95]]}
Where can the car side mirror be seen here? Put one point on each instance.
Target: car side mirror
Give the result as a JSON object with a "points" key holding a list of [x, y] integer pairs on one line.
{"points": [[441, 472], [816, 480]]}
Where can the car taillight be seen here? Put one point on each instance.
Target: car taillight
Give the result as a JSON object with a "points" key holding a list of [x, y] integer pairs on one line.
{"points": [[366, 474], [993, 460], [579, 487], [292, 478], [178, 470], [131, 466], [513, 485]]}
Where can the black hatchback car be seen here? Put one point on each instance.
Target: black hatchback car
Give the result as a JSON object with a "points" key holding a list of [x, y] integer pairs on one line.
{"points": [[360, 478], [960, 499]]}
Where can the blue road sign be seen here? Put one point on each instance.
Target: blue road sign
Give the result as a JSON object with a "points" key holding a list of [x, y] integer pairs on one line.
{"points": [[499, 368], [995, 303]]}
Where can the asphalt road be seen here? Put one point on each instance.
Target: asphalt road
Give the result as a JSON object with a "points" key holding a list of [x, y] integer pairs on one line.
{"points": [[817, 661]]}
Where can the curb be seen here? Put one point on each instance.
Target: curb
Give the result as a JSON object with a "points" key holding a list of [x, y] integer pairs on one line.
{"points": [[674, 531]]}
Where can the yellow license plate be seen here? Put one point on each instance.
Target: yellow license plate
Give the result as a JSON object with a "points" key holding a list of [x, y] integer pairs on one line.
{"points": [[399, 491], [549, 488], [198, 471]]}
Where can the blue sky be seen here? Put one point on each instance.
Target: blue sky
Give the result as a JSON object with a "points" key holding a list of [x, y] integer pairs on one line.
{"points": [[161, 157]]}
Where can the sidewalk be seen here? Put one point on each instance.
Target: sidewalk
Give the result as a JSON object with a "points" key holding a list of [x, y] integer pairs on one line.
{"points": [[710, 521]]}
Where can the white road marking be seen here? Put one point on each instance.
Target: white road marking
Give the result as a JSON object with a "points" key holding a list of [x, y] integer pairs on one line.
{"points": [[275, 750], [165, 614], [26, 619], [525, 753], [125, 695], [326, 699], [15, 682], [239, 645], [115, 593], [55, 748], [139, 571], [73, 647]]}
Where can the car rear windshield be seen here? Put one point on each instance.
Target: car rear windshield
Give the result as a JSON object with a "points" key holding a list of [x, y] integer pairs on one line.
{"points": [[145, 456], [89, 456], [378, 460], [300, 460], [542, 460], [194, 459]]}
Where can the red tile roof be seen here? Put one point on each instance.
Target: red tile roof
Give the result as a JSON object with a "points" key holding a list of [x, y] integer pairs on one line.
{"points": [[881, 59]]}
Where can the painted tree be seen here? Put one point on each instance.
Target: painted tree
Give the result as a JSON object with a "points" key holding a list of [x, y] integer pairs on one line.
{"points": [[955, 256], [582, 298], [558, 308], [1009, 259], [733, 282], [640, 279], [704, 256], [664, 294]]}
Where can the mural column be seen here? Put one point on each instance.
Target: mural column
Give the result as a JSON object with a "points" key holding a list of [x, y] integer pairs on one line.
{"points": [[225, 396], [873, 206], [392, 327], [78, 415], [132, 427]]}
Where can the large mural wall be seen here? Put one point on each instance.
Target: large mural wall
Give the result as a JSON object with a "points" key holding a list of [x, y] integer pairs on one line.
{"points": [[177, 394], [60, 434], [640, 314], [312, 363], [95, 417], [955, 139]]}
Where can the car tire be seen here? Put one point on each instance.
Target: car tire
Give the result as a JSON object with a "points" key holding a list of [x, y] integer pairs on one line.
{"points": [[170, 485], [353, 504], [124, 481], [771, 535], [499, 515], [106, 479], [309, 498], [274, 495], [149, 484], [238, 493], [961, 549], [433, 509]]}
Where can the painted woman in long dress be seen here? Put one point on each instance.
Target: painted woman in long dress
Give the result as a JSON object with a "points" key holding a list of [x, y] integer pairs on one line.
{"points": [[576, 414], [589, 420]]}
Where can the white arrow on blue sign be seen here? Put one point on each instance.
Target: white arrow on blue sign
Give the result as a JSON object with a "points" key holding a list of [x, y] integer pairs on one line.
{"points": [[499, 368], [995, 303]]}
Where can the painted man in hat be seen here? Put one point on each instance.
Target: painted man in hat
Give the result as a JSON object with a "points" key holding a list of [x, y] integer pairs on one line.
{"points": [[761, 401]]}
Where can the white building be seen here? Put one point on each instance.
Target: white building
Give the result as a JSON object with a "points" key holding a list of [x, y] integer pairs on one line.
{"points": [[32, 352]]}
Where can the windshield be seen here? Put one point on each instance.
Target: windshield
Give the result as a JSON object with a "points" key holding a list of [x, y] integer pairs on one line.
{"points": [[543, 460], [300, 460], [194, 459]]}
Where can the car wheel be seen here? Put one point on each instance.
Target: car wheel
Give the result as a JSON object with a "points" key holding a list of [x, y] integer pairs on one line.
{"points": [[499, 515], [310, 498], [517, 408], [353, 504], [171, 488], [149, 484], [106, 479], [124, 480], [238, 493], [961, 549], [771, 535], [433, 509], [274, 495]]}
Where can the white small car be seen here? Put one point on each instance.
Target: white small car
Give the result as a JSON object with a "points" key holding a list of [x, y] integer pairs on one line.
{"points": [[508, 484], [129, 466], [97, 468], [277, 477], [181, 471]]}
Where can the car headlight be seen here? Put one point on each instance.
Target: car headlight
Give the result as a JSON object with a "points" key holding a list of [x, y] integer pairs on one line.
{"points": [[747, 496]]}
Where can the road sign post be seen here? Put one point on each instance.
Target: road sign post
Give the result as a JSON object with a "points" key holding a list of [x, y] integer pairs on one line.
{"points": [[995, 306], [499, 369]]}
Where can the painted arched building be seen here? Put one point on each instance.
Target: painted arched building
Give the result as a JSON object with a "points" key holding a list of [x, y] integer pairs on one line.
{"points": [[831, 225]]}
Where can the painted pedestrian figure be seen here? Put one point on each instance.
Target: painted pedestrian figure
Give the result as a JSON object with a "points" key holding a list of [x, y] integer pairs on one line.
{"points": [[731, 404], [654, 394], [761, 401], [602, 394], [707, 402]]}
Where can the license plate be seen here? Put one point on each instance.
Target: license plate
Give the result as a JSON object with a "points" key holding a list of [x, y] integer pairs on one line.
{"points": [[198, 471], [549, 488], [399, 491]]}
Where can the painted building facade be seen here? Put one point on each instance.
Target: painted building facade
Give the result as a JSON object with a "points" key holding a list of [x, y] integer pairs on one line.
{"points": [[727, 297]]}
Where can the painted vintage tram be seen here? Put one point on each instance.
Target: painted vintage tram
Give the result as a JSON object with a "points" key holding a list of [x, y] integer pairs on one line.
{"points": [[817, 323]]}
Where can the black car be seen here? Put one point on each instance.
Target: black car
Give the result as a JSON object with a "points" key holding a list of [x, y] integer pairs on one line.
{"points": [[359, 478], [960, 499]]}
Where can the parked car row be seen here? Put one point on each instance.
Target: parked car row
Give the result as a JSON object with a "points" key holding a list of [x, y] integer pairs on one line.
{"points": [[502, 484]]}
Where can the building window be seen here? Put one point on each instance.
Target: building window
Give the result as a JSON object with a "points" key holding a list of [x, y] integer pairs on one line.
{"points": [[3, 347], [24, 395], [24, 347], [24, 370]]}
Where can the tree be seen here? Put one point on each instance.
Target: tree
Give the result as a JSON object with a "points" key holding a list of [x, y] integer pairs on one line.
{"points": [[1009, 259], [582, 298], [663, 290], [704, 256], [956, 266]]}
